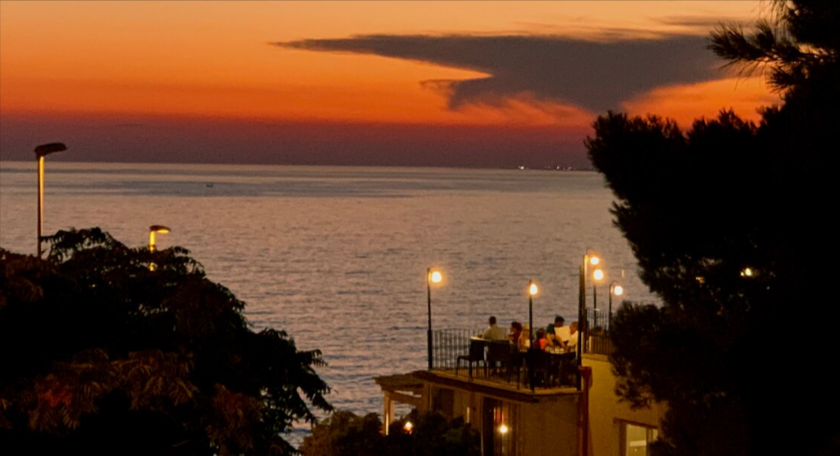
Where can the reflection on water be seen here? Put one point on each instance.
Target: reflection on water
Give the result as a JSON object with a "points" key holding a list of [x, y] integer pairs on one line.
{"points": [[337, 256]]}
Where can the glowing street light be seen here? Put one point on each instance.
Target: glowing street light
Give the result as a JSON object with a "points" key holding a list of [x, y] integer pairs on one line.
{"points": [[154, 229], [615, 289], [503, 429], [409, 426], [532, 290], [590, 258], [40, 152], [597, 276], [432, 276]]}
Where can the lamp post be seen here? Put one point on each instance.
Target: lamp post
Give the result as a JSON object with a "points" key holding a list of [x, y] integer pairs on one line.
{"points": [[590, 258], [532, 290], [154, 229], [618, 290], [40, 152], [597, 276], [432, 276]]}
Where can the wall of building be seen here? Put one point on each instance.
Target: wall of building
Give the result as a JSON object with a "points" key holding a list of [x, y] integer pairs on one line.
{"points": [[549, 427], [606, 412]]}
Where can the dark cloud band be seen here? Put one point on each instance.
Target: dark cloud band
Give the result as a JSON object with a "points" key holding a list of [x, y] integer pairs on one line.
{"points": [[590, 74]]}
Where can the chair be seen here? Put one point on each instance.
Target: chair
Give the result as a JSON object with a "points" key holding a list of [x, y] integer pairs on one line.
{"points": [[500, 354], [564, 368], [540, 363], [475, 355]]}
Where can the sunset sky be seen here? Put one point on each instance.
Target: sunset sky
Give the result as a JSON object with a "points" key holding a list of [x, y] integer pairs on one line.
{"points": [[483, 84]]}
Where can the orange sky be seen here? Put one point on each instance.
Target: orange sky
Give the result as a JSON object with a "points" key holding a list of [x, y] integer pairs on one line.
{"points": [[213, 60]]}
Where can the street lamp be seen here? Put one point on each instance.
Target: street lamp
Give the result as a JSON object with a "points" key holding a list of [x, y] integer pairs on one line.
{"points": [[597, 276], [532, 290], [40, 152], [154, 229], [618, 290], [590, 258], [432, 276]]}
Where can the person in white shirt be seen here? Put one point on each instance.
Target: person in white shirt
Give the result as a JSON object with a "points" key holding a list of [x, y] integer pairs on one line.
{"points": [[558, 333], [573, 337], [494, 332]]}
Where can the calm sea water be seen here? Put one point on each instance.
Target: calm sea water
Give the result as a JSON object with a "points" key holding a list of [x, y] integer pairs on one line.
{"points": [[337, 256]]}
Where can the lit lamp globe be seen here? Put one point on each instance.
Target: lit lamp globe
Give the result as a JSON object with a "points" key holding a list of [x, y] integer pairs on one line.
{"points": [[436, 277]]}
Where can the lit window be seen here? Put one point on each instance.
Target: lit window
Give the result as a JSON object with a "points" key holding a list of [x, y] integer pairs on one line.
{"points": [[635, 439]]}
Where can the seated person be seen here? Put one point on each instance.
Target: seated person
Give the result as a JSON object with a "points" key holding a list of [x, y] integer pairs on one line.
{"points": [[541, 341], [524, 339], [515, 331], [573, 337], [558, 333], [494, 332]]}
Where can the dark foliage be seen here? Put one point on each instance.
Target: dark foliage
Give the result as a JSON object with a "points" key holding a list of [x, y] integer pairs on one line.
{"points": [[101, 355], [345, 434], [742, 360]]}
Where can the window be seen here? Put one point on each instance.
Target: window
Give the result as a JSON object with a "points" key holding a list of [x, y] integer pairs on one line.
{"points": [[635, 439], [498, 428]]}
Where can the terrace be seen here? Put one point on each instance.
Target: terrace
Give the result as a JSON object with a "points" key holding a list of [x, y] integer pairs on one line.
{"points": [[458, 354]]}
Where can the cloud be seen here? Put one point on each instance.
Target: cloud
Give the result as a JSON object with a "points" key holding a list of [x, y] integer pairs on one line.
{"points": [[593, 75]]}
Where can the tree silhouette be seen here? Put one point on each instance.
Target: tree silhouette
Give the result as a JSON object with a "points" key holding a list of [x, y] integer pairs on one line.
{"points": [[345, 434], [727, 220], [100, 355]]}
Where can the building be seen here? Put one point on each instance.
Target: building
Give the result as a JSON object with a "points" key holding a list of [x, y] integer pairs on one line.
{"points": [[560, 413]]}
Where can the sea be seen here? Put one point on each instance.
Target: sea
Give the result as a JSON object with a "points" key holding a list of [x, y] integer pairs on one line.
{"points": [[337, 256]]}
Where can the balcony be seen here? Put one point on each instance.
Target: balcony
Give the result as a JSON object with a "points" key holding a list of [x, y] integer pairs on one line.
{"points": [[459, 354]]}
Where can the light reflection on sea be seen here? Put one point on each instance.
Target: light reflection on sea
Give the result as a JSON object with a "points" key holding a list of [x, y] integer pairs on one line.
{"points": [[337, 256]]}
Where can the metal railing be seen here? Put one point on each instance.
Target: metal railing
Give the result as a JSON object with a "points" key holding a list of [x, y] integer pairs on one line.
{"points": [[597, 337], [497, 361]]}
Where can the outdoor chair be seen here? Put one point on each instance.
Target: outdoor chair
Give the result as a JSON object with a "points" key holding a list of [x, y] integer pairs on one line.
{"points": [[539, 362], [475, 355], [501, 357]]}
